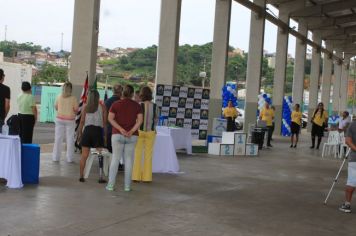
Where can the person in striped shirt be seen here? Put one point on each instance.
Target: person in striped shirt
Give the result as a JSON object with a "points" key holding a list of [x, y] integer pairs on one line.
{"points": [[146, 138]]}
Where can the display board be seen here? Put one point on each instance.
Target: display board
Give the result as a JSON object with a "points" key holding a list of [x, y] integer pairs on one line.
{"points": [[185, 107]]}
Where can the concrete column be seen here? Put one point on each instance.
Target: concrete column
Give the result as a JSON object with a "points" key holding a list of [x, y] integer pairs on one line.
{"points": [[84, 42], [280, 70], [168, 42], [336, 84], [219, 58], [326, 77], [344, 83], [299, 66], [314, 80], [254, 65]]}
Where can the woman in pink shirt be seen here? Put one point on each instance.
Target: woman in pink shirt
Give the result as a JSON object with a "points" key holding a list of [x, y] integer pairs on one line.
{"points": [[66, 106]]}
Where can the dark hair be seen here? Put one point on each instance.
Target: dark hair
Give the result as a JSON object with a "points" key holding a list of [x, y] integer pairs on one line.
{"points": [[297, 105], [128, 91], [92, 102], [117, 89], [145, 94], [2, 74], [347, 113], [322, 110], [26, 86]]}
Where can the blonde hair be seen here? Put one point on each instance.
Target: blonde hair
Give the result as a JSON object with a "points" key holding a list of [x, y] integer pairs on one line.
{"points": [[67, 89], [92, 102]]}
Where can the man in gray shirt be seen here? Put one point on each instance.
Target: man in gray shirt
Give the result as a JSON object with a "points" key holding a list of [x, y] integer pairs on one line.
{"points": [[351, 176]]}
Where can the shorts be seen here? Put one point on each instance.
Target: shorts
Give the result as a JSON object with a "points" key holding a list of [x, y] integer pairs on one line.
{"points": [[295, 128], [351, 175], [92, 137]]}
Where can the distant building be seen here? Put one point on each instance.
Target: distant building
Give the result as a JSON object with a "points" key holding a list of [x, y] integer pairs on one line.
{"points": [[23, 54]]}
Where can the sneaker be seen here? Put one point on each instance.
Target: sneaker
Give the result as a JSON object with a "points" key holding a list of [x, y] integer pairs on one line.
{"points": [[345, 208], [127, 189], [269, 145], [291, 145], [81, 179], [109, 187], [295, 146]]}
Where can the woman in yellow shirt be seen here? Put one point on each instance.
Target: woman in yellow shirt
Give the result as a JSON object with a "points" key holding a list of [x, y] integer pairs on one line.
{"points": [[230, 113], [319, 121], [66, 106], [267, 115], [296, 117]]}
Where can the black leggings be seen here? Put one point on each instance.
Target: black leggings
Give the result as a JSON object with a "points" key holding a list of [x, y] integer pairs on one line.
{"points": [[27, 122]]}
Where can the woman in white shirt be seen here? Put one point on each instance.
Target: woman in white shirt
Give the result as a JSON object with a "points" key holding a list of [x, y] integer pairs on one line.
{"points": [[94, 122]]}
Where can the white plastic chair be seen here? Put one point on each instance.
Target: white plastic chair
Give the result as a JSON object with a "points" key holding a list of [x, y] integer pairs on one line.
{"points": [[332, 143], [93, 154], [343, 146]]}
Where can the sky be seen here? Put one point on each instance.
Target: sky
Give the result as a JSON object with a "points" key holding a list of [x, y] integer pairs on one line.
{"points": [[124, 23]]}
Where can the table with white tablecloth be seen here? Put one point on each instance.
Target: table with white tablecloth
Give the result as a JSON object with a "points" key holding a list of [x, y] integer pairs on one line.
{"points": [[10, 160], [164, 155], [182, 137], [168, 140]]}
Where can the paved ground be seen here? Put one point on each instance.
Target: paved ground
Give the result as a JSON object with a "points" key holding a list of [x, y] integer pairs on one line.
{"points": [[279, 193], [43, 133]]}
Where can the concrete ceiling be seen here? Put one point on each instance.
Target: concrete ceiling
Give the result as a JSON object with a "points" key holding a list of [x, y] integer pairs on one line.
{"points": [[332, 20]]}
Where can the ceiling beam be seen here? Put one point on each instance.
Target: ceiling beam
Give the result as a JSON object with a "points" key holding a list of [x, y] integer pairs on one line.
{"points": [[328, 22], [277, 2], [321, 10], [341, 31], [346, 44]]}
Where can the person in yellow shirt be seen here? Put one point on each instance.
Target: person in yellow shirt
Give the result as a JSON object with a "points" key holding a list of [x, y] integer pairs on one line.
{"points": [[230, 113], [319, 121], [267, 115], [296, 117]]}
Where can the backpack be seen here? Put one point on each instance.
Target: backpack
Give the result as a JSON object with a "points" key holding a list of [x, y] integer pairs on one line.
{"points": [[14, 125]]}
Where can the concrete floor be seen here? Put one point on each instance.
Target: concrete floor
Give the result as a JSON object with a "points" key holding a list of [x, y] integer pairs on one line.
{"points": [[281, 192]]}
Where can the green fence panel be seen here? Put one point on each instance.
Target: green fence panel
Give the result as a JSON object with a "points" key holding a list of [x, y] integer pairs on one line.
{"points": [[48, 98]]}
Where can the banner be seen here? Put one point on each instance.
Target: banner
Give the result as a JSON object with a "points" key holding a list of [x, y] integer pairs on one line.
{"points": [[185, 107]]}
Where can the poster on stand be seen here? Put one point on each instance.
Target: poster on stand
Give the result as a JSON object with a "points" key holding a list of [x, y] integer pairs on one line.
{"points": [[185, 107]]}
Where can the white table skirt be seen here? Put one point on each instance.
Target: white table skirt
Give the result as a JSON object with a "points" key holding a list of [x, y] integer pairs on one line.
{"points": [[182, 137], [10, 160], [164, 155]]}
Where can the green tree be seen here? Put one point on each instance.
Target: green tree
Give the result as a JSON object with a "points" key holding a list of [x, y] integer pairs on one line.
{"points": [[51, 74]]}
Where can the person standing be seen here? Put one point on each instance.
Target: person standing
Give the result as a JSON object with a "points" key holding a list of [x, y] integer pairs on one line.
{"points": [[27, 112], [344, 122], [66, 106], [4, 99], [296, 117], [267, 115], [319, 122], [125, 117], [146, 138], [273, 123], [94, 122], [117, 89], [230, 113], [351, 174]]}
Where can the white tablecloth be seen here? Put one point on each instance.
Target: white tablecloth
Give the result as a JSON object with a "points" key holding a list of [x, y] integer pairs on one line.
{"points": [[182, 137], [164, 155], [10, 160]]}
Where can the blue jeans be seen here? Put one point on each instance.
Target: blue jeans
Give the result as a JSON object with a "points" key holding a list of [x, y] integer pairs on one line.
{"points": [[125, 146]]}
